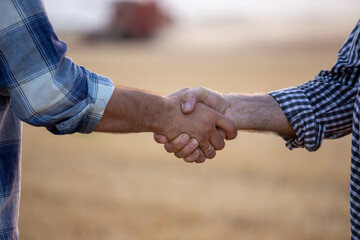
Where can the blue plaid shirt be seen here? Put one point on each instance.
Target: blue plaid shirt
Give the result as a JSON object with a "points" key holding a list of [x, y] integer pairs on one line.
{"points": [[41, 86], [329, 107]]}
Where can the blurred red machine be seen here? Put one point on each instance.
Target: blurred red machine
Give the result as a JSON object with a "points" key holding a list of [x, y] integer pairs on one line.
{"points": [[132, 19]]}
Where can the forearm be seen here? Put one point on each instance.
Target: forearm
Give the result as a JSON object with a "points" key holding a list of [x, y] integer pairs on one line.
{"points": [[132, 110], [259, 113]]}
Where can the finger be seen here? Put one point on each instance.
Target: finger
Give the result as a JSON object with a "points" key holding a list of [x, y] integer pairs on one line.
{"points": [[160, 138], [178, 143], [188, 149], [221, 132], [217, 140], [191, 97], [200, 160], [227, 126], [208, 150], [188, 101], [201, 157], [197, 156], [179, 92], [193, 156], [209, 97]]}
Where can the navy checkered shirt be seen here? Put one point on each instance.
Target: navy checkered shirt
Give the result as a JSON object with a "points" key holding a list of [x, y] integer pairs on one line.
{"points": [[329, 107], [40, 86]]}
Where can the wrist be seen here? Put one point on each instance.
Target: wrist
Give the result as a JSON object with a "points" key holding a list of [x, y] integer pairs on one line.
{"points": [[246, 110], [234, 112], [166, 121], [259, 113]]}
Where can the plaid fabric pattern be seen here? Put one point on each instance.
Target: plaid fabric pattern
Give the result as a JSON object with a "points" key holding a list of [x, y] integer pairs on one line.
{"points": [[41, 86], [329, 107]]}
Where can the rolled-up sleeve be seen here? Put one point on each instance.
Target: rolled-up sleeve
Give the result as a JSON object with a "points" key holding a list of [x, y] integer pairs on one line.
{"points": [[73, 100], [317, 110], [46, 87], [323, 108]]}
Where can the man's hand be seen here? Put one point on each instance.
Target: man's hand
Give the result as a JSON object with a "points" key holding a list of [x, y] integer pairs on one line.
{"points": [[204, 125], [215, 100], [249, 112], [183, 146], [134, 110]]}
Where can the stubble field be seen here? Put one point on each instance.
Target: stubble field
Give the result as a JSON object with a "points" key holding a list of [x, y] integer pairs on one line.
{"points": [[106, 186]]}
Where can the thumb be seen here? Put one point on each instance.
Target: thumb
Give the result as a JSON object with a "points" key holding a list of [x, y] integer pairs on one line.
{"points": [[190, 97], [188, 101], [212, 99]]}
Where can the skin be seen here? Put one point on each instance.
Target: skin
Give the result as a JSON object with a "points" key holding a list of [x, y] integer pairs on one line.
{"points": [[259, 113], [134, 110]]}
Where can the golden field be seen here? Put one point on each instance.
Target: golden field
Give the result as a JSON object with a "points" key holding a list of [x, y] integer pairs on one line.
{"points": [[107, 186]]}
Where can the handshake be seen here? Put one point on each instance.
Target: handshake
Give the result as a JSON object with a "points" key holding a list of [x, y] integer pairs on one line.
{"points": [[192, 123], [207, 119]]}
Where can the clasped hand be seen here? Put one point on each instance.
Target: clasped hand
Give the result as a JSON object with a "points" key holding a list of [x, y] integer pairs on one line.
{"points": [[205, 122]]}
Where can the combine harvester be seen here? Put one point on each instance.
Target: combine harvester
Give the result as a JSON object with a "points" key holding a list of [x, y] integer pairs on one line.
{"points": [[133, 20]]}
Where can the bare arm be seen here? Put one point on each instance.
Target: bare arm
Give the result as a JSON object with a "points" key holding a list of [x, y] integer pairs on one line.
{"points": [[250, 113], [259, 113], [133, 110]]}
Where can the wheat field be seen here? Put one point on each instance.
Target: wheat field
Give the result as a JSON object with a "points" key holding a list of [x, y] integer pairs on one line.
{"points": [[108, 186]]}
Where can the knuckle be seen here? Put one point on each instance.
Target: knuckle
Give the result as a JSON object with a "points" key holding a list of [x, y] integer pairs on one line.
{"points": [[189, 160], [203, 142], [221, 133], [192, 145], [176, 146], [197, 88], [211, 155], [178, 155], [185, 96], [159, 138], [230, 135], [201, 88], [185, 89], [208, 129], [167, 148], [179, 143], [192, 157], [187, 151], [200, 160], [220, 145], [234, 134], [156, 137]]}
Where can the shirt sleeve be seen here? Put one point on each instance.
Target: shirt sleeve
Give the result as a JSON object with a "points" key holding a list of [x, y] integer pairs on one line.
{"points": [[46, 87], [323, 107]]}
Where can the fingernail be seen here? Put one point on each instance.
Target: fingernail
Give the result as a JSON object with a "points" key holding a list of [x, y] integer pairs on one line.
{"points": [[184, 139], [194, 143], [186, 106], [196, 153]]}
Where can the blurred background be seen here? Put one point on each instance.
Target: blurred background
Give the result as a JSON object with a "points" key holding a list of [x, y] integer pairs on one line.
{"points": [[104, 186]]}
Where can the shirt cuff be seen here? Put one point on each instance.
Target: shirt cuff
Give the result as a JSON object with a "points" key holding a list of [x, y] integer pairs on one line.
{"points": [[299, 112], [100, 90]]}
